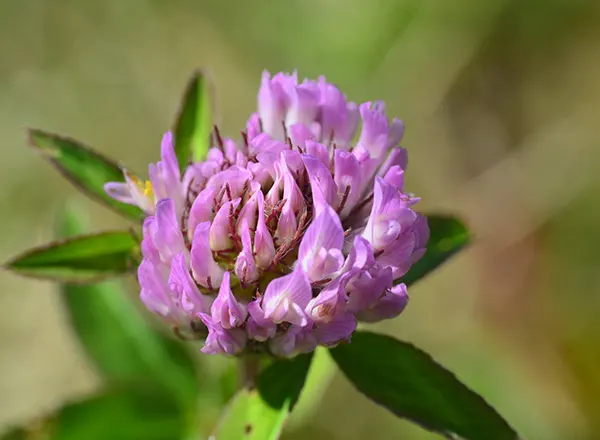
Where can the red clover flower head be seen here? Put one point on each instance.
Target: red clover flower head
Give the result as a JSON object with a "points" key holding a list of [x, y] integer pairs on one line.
{"points": [[283, 241]]}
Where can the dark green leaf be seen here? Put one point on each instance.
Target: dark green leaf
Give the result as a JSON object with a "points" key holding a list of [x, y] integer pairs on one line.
{"points": [[193, 124], [281, 382], [82, 258], [120, 341], [260, 413], [83, 167], [448, 236], [131, 413], [409, 383]]}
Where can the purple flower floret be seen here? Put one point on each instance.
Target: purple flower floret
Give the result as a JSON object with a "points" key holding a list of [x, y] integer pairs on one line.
{"points": [[285, 240]]}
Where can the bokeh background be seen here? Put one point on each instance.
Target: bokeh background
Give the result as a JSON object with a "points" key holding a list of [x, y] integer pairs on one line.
{"points": [[501, 99]]}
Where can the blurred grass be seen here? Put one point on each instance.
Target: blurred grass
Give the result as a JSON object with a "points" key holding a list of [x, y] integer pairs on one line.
{"points": [[500, 99]]}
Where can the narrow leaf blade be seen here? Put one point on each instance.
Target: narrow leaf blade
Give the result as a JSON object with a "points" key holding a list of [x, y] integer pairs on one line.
{"points": [[409, 383], [83, 258], [193, 124], [84, 168], [448, 236], [260, 413], [120, 341]]}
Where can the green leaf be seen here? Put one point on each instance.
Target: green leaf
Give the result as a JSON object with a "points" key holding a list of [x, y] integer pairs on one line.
{"points": [[129, 413], [409, 383], [120, 341], [122, 344], [220, 383], [448, 236], [79, 259], [84, 168], [194, 121], [260, 413]]}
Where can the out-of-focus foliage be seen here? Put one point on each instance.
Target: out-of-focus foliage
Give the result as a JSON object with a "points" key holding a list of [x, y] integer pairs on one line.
{"points": [[499, 99], [129, 413]]}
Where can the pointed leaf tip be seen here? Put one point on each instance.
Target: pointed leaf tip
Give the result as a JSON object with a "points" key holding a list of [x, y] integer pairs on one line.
{"points": [[85, 168], [79, 259], [193, 124], [409, 383]]}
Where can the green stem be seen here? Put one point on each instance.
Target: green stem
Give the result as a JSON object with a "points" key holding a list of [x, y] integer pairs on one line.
{"points": [[250, 367]]}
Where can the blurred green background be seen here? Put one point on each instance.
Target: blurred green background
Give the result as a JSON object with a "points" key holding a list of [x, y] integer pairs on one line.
{"points": [[501, 99]]}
